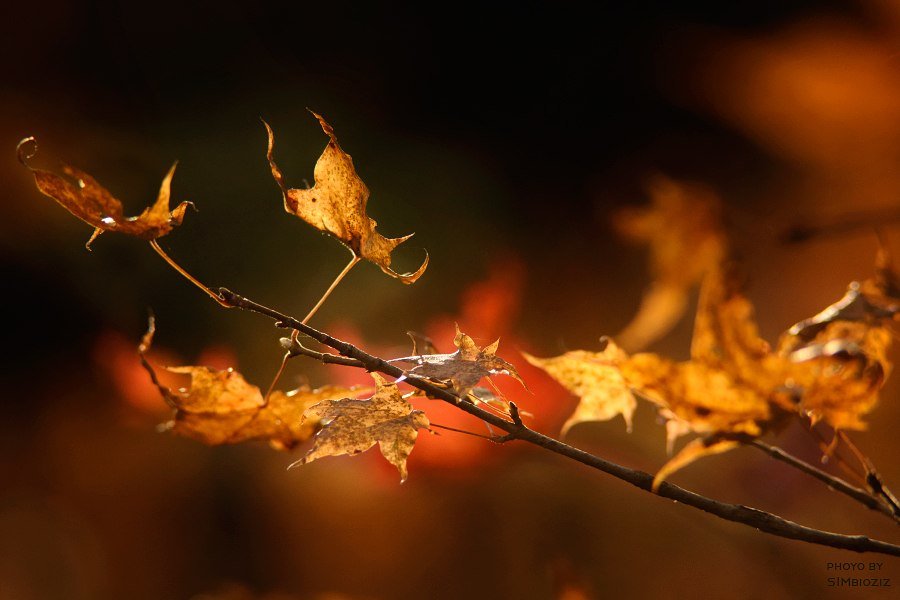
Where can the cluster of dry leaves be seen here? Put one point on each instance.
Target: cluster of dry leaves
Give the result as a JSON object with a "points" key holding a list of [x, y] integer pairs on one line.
{"points": [[220, 406], [735, 388]]}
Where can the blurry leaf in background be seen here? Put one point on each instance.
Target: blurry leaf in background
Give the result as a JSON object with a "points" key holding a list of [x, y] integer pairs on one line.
{"points": [[336, 204], [823, 92], [683, 230]]}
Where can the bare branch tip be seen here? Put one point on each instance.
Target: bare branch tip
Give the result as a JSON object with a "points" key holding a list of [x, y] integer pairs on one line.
{"points": [[514, 413]]}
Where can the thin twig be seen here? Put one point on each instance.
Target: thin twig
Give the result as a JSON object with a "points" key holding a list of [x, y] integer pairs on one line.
{"points": [[472, 433], [295, 348], [846, 224], [832, 481], [306, 319], [155, 245], [330, 289], [873, 479], [763, 521], [830, 451]]}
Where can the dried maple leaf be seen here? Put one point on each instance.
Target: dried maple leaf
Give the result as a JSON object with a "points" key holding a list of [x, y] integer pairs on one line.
{"points": [[709, 395], [462, 369], [731, 387], [726, 337], [353, 426], [839, 357], [220, 407], [703, 399], [684, 231], [336, 204], [85, 198], [838, 376], [596, 379]]}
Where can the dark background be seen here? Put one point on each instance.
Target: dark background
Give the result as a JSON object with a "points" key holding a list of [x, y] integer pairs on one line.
{"points": [[504, 136]]}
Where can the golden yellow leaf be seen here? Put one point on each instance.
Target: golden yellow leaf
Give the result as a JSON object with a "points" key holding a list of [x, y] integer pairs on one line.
{"points": [[84, 197], [726, 389], [726, 337], [596, 379], [839, 357], [462, 369], [353, 426], [839, 380], [704, 399], [220, 407], [730, 387], [684, 232], [336, 204]]}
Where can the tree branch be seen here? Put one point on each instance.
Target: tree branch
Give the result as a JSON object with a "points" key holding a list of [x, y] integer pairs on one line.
{"points": [[761, 520], [833, 482], [295, 348]]}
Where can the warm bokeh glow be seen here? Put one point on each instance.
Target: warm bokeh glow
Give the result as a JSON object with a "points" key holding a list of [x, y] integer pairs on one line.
{"points": [[508, 143]]}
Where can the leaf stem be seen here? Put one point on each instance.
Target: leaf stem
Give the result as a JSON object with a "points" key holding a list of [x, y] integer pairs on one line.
{"points": [[873, 479], [155, 245], [330, 289], [472, 433], [306, 319], [848, 223], [830, 450]]}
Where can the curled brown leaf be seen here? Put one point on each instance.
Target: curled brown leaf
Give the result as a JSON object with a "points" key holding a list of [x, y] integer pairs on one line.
{"points": [[336, 204], [838, 359], [84, 197], [221, 407]]}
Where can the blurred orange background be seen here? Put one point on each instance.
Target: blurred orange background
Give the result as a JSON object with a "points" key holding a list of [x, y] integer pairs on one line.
{"points": [[505, 141]]}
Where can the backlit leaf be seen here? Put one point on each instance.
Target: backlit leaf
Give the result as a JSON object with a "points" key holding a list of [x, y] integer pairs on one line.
{"points": [[352, 426], [596, 379], [462, 369], [220, 407], [693, 450], [84, 197], [336, 204], [839, 357]]}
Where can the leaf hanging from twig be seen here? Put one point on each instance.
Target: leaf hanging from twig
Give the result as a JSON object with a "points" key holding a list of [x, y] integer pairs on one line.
{"points": [[708, 395], [336, 204], [353, 426], [221, 407], [596, 379], [839, 357], [462, 369], [84, 197], [683, 228]]}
